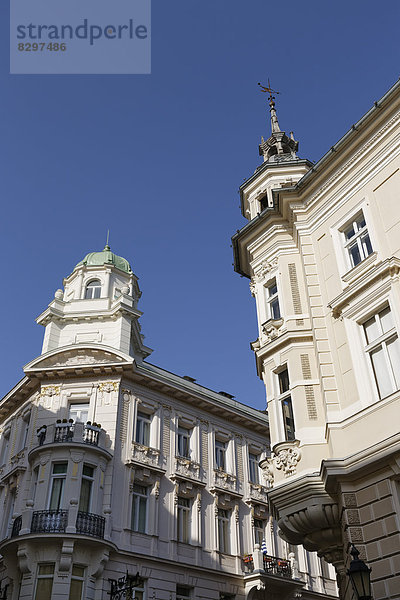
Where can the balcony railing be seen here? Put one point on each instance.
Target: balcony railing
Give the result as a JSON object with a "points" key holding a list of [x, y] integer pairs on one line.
{"points": [[277, 566], [16, 528], [272, 565], [90, 524], [70, 432], [49, 521]]}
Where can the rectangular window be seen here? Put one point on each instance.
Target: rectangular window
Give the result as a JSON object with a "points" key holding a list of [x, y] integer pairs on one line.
{"points": [[44, 582], [259, 531], [77, 582], [357, 241], [383, 348], [79, 413], [253, 468], [57, 484], [273, 310], [183, 442], [286, 402], [183, 520], [224, 530], [5, 444], [143, 423], [138, 592], [220, 455], [139, 508], [183, 592], [24, 432], [85, 498]]}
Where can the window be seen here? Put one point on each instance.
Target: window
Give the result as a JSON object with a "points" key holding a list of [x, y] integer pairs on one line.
{"points": [[183, 592], [93, 290], [44, 583], [253, 468], [57, 485], [24, 431], [143, 423], [77, 582], [220, 455], [183, 520], [35, 478], [86, 488], [4, 447], [259, 531], [383, 347], [286, 401], [357, 241], [79, 413], [139, 508], [224, 530], [273, 309], [183, 442], [138, 593]]}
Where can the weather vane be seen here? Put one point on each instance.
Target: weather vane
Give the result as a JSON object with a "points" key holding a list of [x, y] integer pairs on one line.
{"points": [[268, 89]]}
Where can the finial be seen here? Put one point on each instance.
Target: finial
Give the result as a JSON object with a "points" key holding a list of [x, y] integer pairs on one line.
{"points": [[107, 247], [274, 119]]}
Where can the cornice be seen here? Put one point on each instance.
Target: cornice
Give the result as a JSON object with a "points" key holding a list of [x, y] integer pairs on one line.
{"points": [[389, 267]]}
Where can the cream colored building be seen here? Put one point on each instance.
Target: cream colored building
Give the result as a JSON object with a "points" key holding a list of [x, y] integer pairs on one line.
{"points": [[109, 464], [322, 251]]}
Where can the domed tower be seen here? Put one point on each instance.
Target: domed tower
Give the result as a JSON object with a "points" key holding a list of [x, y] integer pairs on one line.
{"points": [[97, 306]]}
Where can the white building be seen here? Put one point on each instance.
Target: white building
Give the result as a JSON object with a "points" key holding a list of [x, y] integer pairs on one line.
{"points": [[322, 250], [109, 464]]}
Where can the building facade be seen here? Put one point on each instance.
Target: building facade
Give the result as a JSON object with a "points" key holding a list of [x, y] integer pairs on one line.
{"points": [[113, 466], [322, 251]]}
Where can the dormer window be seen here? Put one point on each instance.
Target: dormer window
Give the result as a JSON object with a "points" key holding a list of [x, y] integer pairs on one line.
{"points": [[93, 289]]}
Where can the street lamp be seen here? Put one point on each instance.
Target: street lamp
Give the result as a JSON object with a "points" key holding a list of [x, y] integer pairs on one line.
{"points": [[360, 576]]}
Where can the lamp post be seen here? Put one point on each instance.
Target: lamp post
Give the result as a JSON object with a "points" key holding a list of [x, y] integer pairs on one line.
{"points": [[360, 576]]}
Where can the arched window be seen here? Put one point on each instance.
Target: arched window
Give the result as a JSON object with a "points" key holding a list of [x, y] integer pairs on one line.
{"points": [[93, 289]]}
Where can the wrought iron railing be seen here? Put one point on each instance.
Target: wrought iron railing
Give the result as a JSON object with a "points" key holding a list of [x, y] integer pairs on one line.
{"points": [[63, 432], [91, 435], [16, 528], [277, 566], [90, 524], [49, 521]]}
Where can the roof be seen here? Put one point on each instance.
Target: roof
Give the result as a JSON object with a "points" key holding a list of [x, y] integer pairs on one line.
{"points": [[106, 257]]}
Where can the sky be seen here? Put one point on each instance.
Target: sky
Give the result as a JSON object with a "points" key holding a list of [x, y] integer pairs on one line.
{"points": [[158, 159]]}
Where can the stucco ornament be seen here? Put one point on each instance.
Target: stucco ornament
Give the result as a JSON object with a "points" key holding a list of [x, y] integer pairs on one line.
{"points": [[224, 480], [108, 386], [265, 269], [286, 457], [187, 468], [50, 390], [253, 288], [145, 455]]}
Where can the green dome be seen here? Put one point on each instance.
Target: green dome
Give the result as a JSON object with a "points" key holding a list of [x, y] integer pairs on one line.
{"points": [[106, 257]]}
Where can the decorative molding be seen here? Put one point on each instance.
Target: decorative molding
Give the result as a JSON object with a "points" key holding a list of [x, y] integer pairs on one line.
{"points": [[145, 455], [50, 390], [108, 386], [187, 468], [286, 456], [265, 268]]}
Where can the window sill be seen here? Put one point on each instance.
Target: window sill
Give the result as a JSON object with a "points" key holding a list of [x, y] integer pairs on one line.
{"points": [[359, 269]]}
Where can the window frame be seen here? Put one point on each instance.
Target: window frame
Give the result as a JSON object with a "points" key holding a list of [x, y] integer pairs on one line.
{"points": [[137, 496], [272, 299], [221, 448], [81, 578], [381, 342], [91, 480], [254, 474], [180, 595], [285, 401], [40, 577], [356, 240], [224, 530], [89, 285], [257, 529], [183, 513], [53, 478], [141, 419], [183, 433]]}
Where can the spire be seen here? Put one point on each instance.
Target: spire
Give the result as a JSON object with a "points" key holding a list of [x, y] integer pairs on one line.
{"points": [[278, 147]]}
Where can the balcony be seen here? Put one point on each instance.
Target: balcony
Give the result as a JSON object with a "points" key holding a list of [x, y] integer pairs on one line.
{"points": [[59, 521], [270, 565], [90, 524], [187, 469], [49, 521], [145, 456], [68, 432], [258, 493]]}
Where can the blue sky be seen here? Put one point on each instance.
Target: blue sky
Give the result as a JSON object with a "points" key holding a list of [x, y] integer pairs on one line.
{"points": [[158, 160]]}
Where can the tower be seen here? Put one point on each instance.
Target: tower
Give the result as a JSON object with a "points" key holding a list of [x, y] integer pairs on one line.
{"points": [[97, 306]]}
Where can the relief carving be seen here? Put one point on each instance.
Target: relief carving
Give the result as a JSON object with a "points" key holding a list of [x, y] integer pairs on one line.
{"points": [[286, 457]]}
